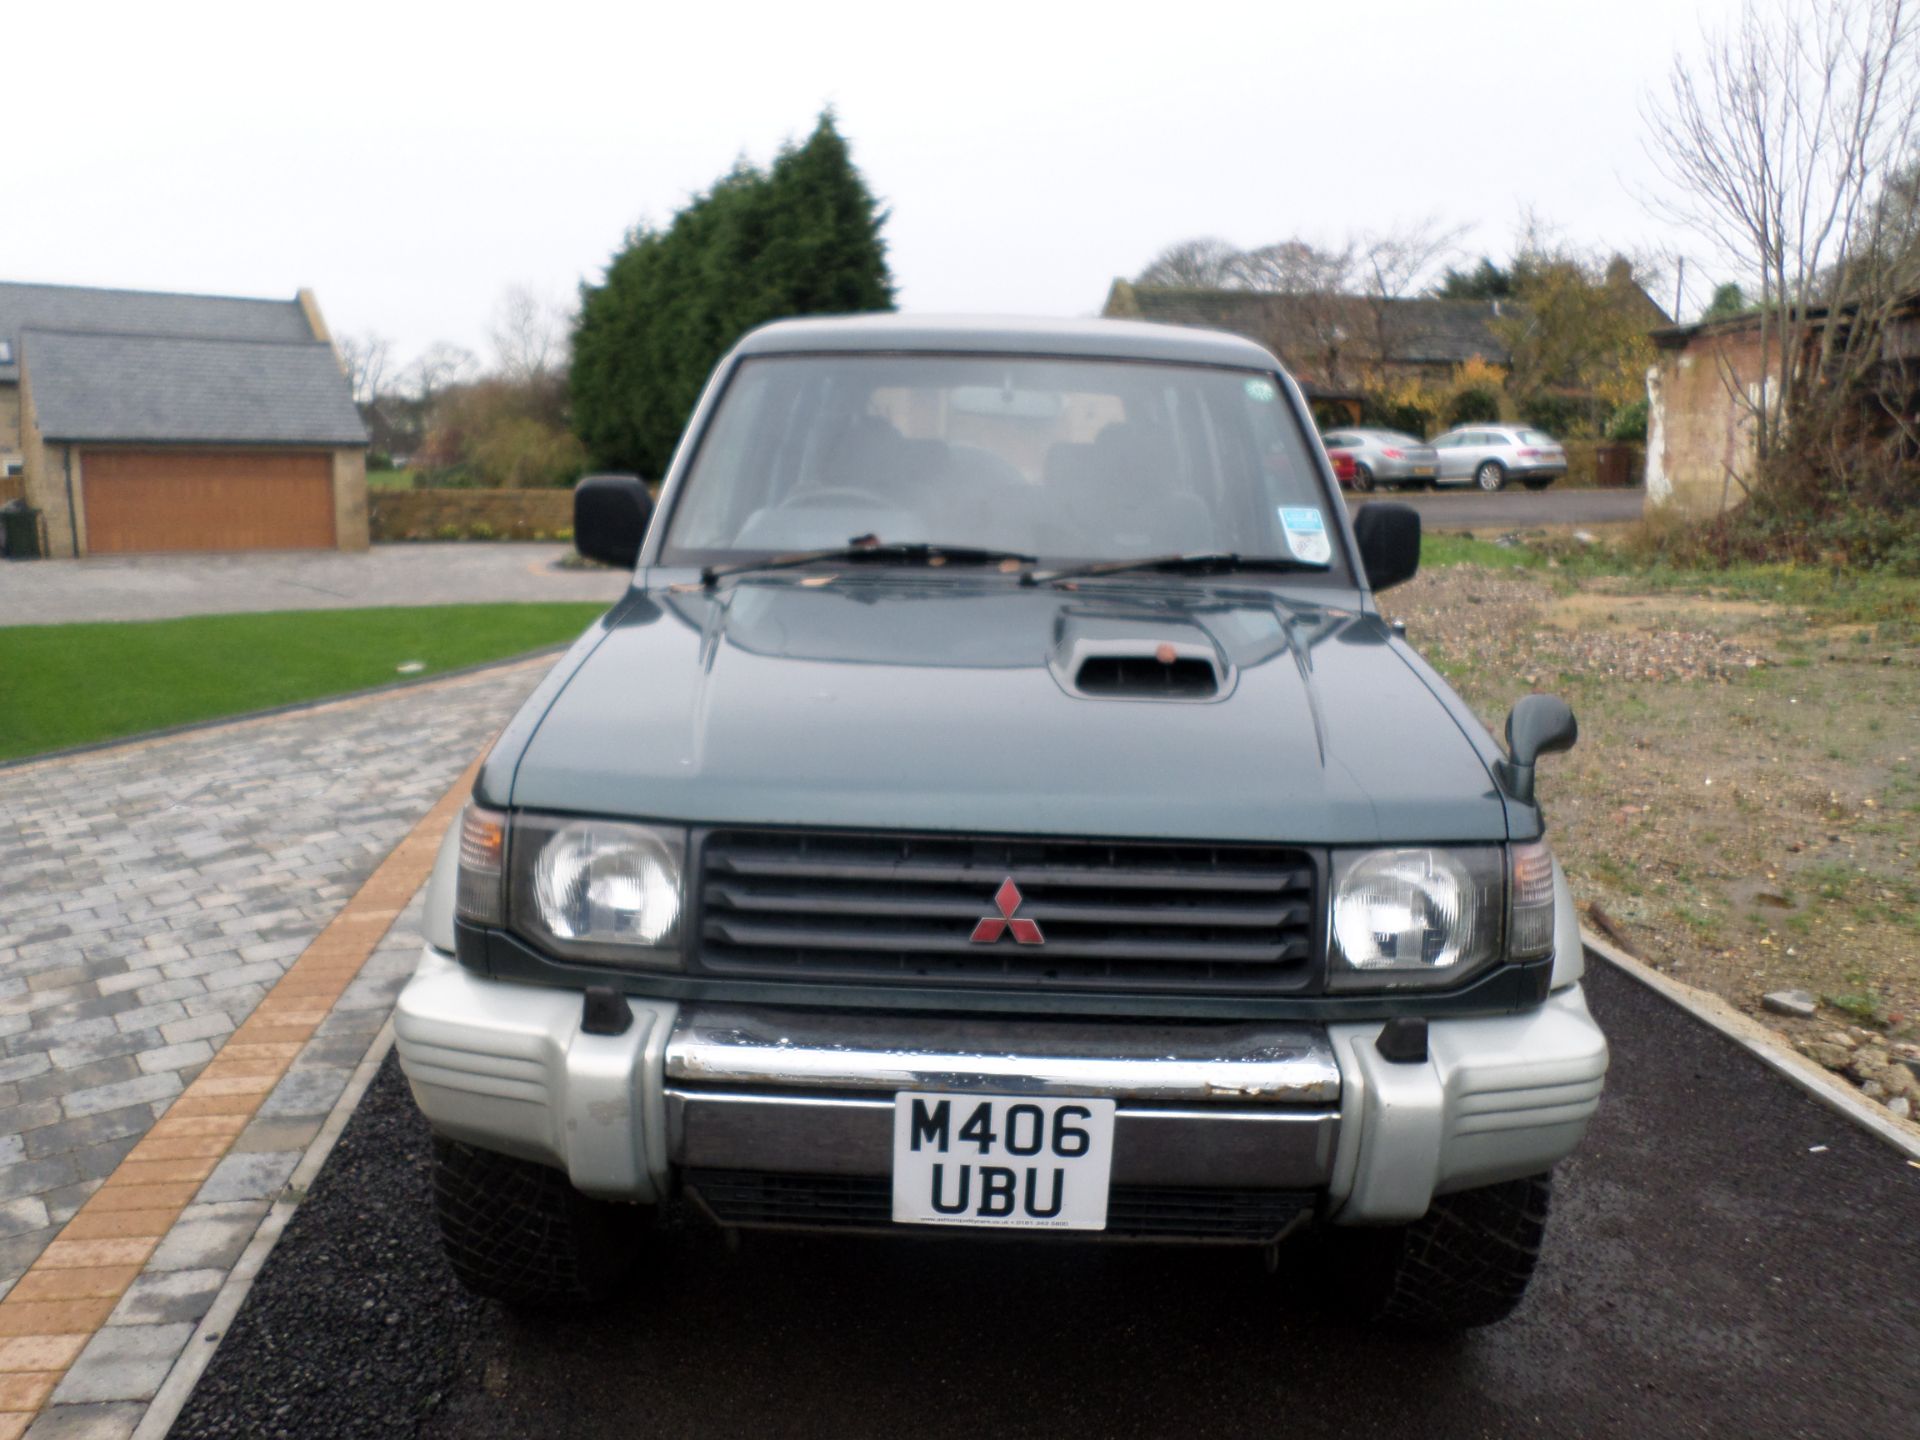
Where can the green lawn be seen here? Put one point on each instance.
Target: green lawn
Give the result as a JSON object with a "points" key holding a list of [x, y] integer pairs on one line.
{"points": [[391, 479], [65, 685]]}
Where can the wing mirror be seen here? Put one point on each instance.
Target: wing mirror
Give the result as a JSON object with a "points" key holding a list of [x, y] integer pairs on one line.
{"points": [[610, 515], [1389, 537], [1537, 725]]}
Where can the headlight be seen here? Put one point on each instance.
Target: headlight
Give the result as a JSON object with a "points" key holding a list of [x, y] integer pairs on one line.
{"points": [[598, 889], [1415, 917]]}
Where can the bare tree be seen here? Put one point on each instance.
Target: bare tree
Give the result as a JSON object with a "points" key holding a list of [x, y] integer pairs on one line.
{"points": [[1775, 145], [529, 337], [364, 356], [1207, 263], [1296, 267], [1393, 264], [438, 367]]}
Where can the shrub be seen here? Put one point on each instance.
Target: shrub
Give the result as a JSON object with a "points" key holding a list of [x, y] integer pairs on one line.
{"points": [[1565, 416], [1474, 405], [1629, 423]]}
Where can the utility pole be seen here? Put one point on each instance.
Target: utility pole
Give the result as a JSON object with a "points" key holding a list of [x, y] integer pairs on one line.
{"points": [[1679, 288]]}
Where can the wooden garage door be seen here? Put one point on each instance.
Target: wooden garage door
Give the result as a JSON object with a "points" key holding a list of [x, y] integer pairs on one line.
{"points": [[139, 500]]}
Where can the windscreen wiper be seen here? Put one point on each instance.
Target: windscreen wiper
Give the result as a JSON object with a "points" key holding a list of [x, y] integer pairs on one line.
{"points": [[868, 548], [1203, 562]]}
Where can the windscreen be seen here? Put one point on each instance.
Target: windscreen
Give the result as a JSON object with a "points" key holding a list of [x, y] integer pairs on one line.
{"points": [[1061, 459]]}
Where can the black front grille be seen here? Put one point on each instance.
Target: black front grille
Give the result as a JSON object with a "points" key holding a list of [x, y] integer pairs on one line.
{"points": [[906, 909], [862, 1202]]}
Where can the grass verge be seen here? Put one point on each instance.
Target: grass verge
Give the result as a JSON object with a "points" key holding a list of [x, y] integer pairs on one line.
{"points": [[67, 685]]}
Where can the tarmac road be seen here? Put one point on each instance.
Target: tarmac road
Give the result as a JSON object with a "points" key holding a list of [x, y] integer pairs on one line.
{"points": [[1709, 1272], [1513, 508]]}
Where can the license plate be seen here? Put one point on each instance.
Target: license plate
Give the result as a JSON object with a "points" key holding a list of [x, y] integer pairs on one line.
{"points": [[1423, 469], [1001, 1160]]}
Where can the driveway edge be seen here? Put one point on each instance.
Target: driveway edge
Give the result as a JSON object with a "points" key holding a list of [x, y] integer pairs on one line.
{"points": [[177, 1388], [1765, 1045]]}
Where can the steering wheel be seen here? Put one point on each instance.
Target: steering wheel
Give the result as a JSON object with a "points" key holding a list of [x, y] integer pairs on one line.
{"points": [[837, 495]]}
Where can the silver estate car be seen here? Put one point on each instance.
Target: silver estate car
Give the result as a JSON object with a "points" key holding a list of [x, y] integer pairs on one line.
{"points": [[1386, 457], [1490, 455]]}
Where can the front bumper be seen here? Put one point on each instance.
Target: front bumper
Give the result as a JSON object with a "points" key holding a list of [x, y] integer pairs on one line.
{"points": [[1267, 1107]]}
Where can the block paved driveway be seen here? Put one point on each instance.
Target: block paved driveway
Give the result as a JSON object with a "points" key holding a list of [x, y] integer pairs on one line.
{"points": [[156, 587], [154, 892]]}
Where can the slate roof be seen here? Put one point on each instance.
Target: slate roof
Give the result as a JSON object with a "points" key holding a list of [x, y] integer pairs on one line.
{"points": [[1418, 331], [141, 312], [174, 389]]}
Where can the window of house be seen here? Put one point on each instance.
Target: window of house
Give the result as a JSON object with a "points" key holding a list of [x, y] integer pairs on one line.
{"points": [[6, 352]]}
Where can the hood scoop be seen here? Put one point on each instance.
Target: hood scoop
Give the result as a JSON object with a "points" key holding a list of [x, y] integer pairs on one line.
{"points": [[1109, 659]]}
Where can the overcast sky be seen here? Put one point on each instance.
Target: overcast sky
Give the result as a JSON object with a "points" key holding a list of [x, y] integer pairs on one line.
{"points": [[409, 161]]}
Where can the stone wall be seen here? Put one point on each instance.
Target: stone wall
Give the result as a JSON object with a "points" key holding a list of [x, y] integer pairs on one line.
{"points": [[470, 514]]}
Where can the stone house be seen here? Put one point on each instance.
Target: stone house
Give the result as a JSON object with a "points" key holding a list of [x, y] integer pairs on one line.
{"points": [[136, 421], [1332, 342]]}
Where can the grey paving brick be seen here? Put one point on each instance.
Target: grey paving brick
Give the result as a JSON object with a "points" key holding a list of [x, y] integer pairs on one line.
{"points": [[19, 1067], [21, 1215], [123, 1362], [121, 1093], [177, 989], [175, 1057], [209, 1237], [72, 1056], [57, 1084], [197, 1027], [260, 1175], [22, 1116], [146, 1017], [70, 1135], [311, 1091], [168, 1297], [30, 1177], [111, 1421], [270, 1133]]}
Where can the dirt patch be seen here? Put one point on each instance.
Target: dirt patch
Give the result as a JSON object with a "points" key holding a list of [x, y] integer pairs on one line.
{"points": [[1744, 802], [1586, 610]]}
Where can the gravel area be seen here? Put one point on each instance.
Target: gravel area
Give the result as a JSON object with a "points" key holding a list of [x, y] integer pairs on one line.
{"points": [[1743, 808]]}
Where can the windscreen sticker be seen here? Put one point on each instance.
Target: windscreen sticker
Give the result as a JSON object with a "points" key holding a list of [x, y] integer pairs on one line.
{"points": [[1306, 533], [1261, 391]]}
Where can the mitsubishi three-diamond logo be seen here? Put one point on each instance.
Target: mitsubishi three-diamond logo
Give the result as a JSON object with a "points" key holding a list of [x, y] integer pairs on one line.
{"points": [[992, 927]]}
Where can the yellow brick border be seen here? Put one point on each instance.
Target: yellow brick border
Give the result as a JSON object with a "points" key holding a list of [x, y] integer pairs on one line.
{"points": [[65, 1297]]}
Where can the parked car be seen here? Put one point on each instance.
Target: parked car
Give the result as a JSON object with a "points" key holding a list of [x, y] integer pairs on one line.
{"points": [[1490, 455], [1075, 851], [1344, 468], [1386, 457]]}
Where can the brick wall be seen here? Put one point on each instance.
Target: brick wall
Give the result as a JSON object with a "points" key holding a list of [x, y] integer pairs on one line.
{"points": [[470, 514]]}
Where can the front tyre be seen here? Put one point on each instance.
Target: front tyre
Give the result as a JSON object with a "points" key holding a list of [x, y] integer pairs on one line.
{"points": [[1464, 1264], [1362, 478], [519, 1232], [1491, 476]]}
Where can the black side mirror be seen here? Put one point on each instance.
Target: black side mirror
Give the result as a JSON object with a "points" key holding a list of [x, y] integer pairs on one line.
{"points": [[610, 515], [1389, 536], [1537, 725]]}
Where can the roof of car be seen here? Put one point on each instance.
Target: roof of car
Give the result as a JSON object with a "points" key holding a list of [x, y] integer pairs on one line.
{"points": [[994, 335]]}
